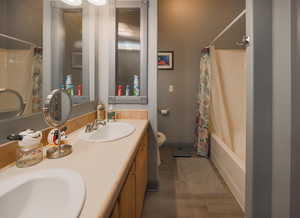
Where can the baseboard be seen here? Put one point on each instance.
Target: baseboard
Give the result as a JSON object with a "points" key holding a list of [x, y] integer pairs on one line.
{"points": [[153, 186], [178, 144]]}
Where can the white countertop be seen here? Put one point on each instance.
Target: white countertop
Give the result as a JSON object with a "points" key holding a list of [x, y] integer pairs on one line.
{"points": [[102, 166]]}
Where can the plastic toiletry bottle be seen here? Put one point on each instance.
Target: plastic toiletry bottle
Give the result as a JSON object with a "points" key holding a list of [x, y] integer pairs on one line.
{"points": [[136, 85], [68, 79], [79, 90], [68, 85], [101, 112], [127, 90], [72, 90], [120, 90], [111, 114], [30, 150]]}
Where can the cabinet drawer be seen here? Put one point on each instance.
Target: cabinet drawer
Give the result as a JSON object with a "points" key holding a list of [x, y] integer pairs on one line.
{"points": [[127, 197], [131, 199]]}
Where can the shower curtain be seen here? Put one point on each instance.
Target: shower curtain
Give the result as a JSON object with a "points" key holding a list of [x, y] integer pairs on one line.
{"points": [[229, 98], [203, 104], [222, 100], [220, 121], [37, 91]]}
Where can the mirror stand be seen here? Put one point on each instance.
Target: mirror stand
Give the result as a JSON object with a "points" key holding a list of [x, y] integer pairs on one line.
{"points": [[56, 111], [60, 151]]}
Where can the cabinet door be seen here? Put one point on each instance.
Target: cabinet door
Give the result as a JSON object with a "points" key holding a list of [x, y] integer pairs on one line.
{"points": [[141, 176], [127, 197], [115, 212]]}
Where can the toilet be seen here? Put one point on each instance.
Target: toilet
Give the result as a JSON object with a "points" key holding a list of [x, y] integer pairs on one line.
{"points": [[161, 139]]}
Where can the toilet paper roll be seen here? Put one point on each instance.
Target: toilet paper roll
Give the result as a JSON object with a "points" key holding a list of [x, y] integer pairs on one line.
{"points": [[164, 112]]}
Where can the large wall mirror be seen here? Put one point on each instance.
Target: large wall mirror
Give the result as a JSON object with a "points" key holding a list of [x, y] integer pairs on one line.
{"points": [[70, 56], [21, 37], [45, 45], [128, 82]]}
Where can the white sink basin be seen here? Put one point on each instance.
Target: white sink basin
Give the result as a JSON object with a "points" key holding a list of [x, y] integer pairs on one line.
{"points": [[110, 132], [52, 193]]}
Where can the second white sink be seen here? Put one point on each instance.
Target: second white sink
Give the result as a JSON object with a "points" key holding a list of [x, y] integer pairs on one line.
{"points": [[51, 193], [110, 132]]}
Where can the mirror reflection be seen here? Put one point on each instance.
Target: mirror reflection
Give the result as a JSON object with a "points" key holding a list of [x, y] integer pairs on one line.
{"points": [[72, 38], [11, 104], [21, 51], [57, 108], [128, 61], [67, 52], [33, 68]]}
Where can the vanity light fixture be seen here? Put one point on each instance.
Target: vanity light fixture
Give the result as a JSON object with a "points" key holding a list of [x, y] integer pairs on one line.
{"points": [[73, 2], [98, 2]]}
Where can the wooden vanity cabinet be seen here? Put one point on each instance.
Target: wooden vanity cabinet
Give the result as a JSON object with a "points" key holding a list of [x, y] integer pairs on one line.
{"points": [[131, 198], [127, 196], [141, 176], [115, 213]]}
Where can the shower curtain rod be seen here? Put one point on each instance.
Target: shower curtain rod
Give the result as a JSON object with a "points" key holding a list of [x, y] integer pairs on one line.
{"points": [[18, 40], [228, 27]]}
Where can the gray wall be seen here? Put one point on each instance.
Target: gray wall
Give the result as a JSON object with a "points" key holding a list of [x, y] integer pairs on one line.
{"points": [[185, 27], [3, 22], [23, 20], [259, 110], [295, 150], [282, 104]]}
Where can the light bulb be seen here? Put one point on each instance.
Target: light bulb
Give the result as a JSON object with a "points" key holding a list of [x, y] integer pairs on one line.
{"points": [[98, 2], [73, 2]]}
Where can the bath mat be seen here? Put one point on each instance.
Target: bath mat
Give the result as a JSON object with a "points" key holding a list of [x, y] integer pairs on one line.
{"points": [[186, 152], [199, 176]]}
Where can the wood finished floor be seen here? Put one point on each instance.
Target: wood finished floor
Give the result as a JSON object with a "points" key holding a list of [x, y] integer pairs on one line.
{"points": [[190, 188]]}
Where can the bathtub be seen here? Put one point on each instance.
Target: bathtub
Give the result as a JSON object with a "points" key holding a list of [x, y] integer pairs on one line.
{"points": [[231, 168]]}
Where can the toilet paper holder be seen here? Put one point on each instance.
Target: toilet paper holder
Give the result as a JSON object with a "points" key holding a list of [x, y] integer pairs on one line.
{"points": [[164, 111]]}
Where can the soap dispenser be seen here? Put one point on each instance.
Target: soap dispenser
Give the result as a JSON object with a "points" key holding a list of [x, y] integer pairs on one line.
{"points": [[111, 114], [101, 112], [30, 150]]}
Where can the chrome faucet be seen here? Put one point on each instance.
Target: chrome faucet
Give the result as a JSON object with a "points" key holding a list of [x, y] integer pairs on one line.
{"points": [[97, 123], [94, 125], [88, 128]]}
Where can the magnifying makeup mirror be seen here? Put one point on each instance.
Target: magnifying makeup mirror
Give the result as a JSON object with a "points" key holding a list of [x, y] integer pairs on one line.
{"points": [[56, 112]]}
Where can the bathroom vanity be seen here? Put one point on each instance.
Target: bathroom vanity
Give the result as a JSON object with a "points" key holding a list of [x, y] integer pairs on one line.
{"points": [[130, 201], [114, 173]]}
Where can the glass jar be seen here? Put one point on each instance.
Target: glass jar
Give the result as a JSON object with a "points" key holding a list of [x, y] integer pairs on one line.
{"points": [[29, 155]]}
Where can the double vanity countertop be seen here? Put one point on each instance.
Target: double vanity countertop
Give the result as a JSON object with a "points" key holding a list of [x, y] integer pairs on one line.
{"points": [[103, 167]]}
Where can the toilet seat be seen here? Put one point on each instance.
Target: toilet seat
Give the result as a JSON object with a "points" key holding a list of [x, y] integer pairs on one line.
{"points": [[161, 138]]}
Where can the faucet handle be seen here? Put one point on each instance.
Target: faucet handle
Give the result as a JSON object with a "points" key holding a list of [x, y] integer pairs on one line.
{"points": [[88, 128], [64, 129]]}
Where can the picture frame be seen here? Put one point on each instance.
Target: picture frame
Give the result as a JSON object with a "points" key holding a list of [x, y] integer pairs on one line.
{"points": [[165, 60]]}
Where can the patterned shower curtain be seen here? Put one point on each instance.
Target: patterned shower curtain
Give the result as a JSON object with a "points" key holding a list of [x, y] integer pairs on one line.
{"points": [[202, 136], [37, 89]]}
